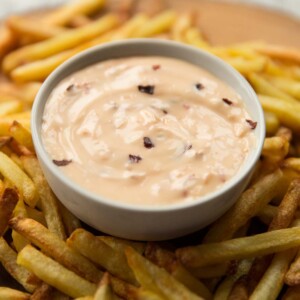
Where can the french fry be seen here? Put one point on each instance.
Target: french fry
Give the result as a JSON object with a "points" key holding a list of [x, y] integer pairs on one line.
{"points": [[28, 27], [288, 85], [43, 292], [287, 113], [194, 37], [158, 24], [167, 260], [272, 282], [21, 135], [247, 206], [36, 215], [54, 247], [54, 274], [280, 52], [272, 123], [48, 201], [157, 279], [119, 244], [183, 22], [257, 245], [292, 163], [246, 66], [262, 86], [102, 254], [23, 183], [59, 43], [25, 92], [124, 289], [275, 148], [8, 201], [10, 107], [224, 289], [7, 40], [79, 21], [104, 291], [8, 258], [267, 213], [66, 13], [12, 294], [39, 70]]}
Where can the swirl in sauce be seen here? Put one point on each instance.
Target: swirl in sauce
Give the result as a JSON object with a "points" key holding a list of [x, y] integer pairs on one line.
{"points": [[147, 130]]}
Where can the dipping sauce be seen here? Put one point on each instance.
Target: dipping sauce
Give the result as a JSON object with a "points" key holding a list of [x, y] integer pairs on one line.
{"points": [[147, 130]]}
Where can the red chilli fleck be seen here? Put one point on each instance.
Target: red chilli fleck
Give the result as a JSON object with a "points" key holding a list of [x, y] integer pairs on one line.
{"points": [[227, 101], [251, 123], [62, 163], [134, 159], [155, 67]]}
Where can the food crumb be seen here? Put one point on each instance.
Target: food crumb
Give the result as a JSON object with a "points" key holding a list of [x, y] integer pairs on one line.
{"points": [[199, 86], [156, 67]]}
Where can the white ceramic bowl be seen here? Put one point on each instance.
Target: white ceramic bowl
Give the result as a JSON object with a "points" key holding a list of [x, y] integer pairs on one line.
{"points": [[144, 222]]}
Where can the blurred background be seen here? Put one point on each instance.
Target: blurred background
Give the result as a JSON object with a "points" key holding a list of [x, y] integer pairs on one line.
{"points": [[12, 6]]}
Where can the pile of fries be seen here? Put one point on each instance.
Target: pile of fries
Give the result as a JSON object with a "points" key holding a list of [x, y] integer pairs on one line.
{"points": [[251, 252]]}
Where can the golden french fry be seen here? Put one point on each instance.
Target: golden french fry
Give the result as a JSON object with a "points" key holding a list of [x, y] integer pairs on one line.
{"points": [[156, 279], [288, 85], [262, 86], [43, 292], [280, 52], [54, 274], [272, 123], [257, 245], [64, 14], [7, 121], [267, 213], [119, 244], [79, 21], [239, 289], [167, 260], [194, 37], [287, 113], [8, 201], [36, 215], [28, 27], [272, 281], [224, 289], [275, 148], [158, 24], [246, 66], [104, 291], [247, 206], [292, 163], [39, 70], [182, 24], [10, 107], [101, 254], [48, 200], [8, 40], [21, 135], [8, 258], [11, 294], [59, 43], [53, 246], [23, 183]]}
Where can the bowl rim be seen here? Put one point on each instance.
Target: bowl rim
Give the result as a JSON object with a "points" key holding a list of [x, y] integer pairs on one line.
{"points": [[83, 192]]}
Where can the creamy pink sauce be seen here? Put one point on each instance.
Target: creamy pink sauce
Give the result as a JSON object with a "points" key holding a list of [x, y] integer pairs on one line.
{"points": [[147, 130]]}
